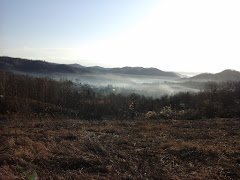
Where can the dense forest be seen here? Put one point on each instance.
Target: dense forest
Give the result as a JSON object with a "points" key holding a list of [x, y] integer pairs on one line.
{"points": [[46, 97]]}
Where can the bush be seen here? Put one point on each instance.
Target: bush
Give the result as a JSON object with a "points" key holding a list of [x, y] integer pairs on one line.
{"points": [[151, 115], [167, 113]]}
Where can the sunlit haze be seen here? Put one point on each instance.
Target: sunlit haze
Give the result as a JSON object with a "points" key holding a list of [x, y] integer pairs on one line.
{"points": [[173, 35]]}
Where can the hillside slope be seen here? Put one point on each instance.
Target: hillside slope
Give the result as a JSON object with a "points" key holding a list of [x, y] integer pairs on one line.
{"points": [[37, 66], [226, 75], [134, 71]]}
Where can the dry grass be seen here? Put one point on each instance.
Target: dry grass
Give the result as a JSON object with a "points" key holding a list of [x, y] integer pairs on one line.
{"points": [[75, 149]]}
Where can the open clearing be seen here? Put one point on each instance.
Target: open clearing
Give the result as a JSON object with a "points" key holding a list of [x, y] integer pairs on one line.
{"points": [[146, 149]]}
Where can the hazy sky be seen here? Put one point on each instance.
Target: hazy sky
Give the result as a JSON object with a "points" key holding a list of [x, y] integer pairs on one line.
{"points": [[172, 35]]}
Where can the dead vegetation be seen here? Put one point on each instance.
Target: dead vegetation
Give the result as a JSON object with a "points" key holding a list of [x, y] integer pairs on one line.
{"points": [[74, 149]]}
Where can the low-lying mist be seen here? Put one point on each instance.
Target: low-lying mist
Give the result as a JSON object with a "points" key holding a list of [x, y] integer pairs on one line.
{"points": [[151, 86]]}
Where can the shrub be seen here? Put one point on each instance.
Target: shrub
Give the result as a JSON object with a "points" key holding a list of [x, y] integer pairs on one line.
{"points": [[167, 113], [151, 115]]}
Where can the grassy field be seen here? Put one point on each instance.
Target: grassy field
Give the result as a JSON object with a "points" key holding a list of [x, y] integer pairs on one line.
{"points": [[42, 148]]}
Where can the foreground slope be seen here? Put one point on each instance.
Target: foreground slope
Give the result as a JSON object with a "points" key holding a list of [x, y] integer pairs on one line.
{"points": [[74, 149]]}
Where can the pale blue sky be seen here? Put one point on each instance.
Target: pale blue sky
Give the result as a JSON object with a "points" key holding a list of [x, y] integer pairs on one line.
{"points": [[172, 35], [63, 23]]}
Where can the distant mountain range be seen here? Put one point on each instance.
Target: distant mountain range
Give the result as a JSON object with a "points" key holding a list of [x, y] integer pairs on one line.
{"points": [[26, 66], [226, 75], [36, 66]]}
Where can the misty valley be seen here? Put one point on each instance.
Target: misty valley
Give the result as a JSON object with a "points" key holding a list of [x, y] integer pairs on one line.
{"points": [[70, 121], [120, 90], [151, 86]]}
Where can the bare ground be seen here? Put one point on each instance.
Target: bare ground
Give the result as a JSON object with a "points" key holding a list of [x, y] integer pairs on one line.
{"points": [[47, 148]]}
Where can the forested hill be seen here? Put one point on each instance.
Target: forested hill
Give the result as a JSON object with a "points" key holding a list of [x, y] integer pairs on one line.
{"points": [[226, 75], [38, 66], [134, 71]]}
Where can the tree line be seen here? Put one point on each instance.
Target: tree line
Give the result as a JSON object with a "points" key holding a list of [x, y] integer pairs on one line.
{"points": [[47, 97]]}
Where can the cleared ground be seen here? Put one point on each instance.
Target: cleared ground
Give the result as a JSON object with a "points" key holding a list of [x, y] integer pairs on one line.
{"points": [[148, 149]]}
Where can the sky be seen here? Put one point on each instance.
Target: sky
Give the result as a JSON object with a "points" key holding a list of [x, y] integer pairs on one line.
{"points": [[172, 35]]}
